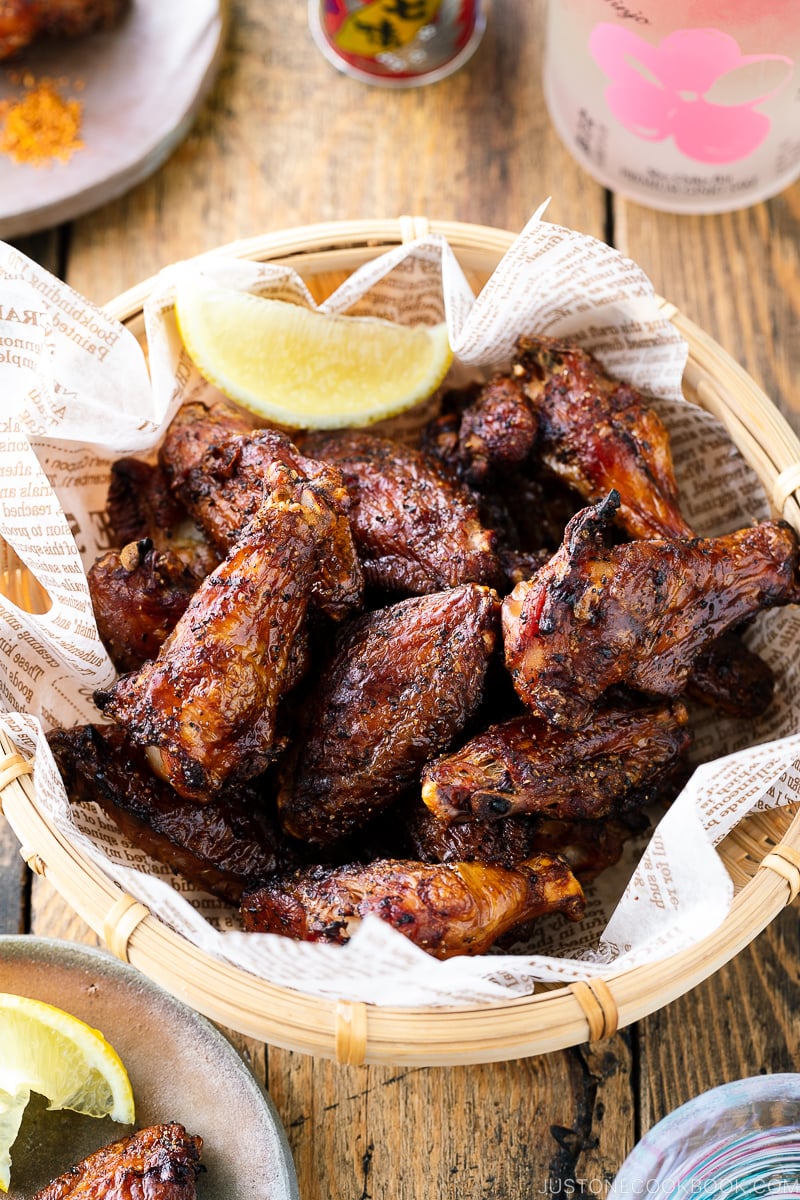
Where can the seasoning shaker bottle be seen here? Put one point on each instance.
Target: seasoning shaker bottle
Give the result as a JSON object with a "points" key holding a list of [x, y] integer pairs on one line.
{"points": [[691, 106], [397, 43]]}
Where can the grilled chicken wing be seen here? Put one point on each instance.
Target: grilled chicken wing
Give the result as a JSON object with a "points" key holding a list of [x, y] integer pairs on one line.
{"points": [[637, 614], [589, 846], [223, 846], [222, 471], [161, 1162], [138, 596], [598, 434], [22, 21], [526, 765], [207, 705], [494, 432], [415, 528], [446, 909], [401, 684]]}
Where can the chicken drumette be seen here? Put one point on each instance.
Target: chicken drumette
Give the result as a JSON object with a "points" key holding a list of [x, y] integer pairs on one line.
{"points": [[222, 471], [589, 846], [207, 706], [138, 596], [637, 614], [401, 684], [446, 908]]}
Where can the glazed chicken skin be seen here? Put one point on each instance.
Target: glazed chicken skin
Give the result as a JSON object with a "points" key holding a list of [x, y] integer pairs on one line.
{"points": [[446, 909], [401, 684], [161, 1162], [598, 434], [222, 847], [222, 471], [207, 706], [416, 529], [638, 614], [526, 765], [22, 21]]}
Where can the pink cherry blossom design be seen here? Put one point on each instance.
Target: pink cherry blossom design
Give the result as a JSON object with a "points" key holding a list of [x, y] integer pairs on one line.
{"points": [[658, 91]]}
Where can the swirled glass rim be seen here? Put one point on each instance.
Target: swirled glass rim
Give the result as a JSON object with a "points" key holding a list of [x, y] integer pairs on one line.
{"points": [[662, 1152]]}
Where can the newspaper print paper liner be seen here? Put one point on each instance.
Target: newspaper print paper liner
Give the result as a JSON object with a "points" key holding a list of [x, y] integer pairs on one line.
{"points": [[80, 397]]}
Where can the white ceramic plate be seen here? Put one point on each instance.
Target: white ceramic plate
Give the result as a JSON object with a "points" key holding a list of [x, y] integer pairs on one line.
{"points": [[181, 1069], [140, 85]]}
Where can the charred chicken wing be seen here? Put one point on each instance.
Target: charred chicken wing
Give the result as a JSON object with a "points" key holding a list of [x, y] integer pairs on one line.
{"points": [[637, 614], [161, 1162], [223, 846], [401, 684], [222, 471], [446, 909], [492, 433], [598, 434], [415, 528], [526, 765], [207, 706]]}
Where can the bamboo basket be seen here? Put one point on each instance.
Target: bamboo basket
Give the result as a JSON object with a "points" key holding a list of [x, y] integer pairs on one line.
{"points": [[762, 854]]}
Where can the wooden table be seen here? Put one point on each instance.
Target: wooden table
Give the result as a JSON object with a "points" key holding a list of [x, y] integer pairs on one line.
{"points": [[285, 140]]}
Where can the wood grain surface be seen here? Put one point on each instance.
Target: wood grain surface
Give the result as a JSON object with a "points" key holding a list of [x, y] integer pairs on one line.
{"points": [[286, 140]]}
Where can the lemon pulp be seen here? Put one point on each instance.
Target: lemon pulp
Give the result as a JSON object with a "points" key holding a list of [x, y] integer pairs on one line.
{"points": [[304, 368], [46, 1050]]}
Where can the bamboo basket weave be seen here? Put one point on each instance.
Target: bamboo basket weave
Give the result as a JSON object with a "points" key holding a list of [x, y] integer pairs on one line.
{"points": [[762, 854]]}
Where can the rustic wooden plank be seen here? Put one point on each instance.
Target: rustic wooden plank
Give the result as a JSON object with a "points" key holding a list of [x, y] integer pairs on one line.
{"points": [[13, 883], [46, 248], [51, 917], [285, 140], [557, 1124], [743, 1021]]}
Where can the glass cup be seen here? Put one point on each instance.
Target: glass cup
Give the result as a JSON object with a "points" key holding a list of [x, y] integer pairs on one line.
{"points": [[740, 1141], [397, 43], [689, 106]]}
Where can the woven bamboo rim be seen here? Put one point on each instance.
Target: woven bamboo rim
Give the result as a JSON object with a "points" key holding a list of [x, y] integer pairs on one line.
{"points": [[762, 854]]}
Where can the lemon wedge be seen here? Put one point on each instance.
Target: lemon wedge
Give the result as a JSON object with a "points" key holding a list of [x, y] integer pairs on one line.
{"points": [[303, 368], [46, 1050]]}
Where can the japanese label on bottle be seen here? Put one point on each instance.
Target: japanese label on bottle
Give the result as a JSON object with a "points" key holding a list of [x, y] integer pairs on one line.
{"points": [[397, 40]]}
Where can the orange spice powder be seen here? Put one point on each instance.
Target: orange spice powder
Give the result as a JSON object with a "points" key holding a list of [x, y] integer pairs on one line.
{"points": [[42, 126]]}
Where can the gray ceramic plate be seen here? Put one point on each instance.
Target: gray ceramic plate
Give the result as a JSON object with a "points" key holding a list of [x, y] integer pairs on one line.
{"points": [[181, 1069]]}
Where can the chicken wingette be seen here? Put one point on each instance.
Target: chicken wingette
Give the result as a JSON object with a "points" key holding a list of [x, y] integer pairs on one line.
{"points": [[400, 686]]}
